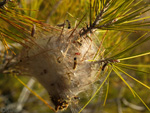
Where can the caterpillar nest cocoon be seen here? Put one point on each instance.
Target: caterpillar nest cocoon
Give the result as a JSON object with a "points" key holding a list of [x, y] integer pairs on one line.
{"points": [[60, 62]]}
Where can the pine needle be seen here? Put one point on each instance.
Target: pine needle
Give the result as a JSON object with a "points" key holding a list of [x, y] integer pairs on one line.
{"points": [[136, 65], [134, 93], [142, 101], [115, 70], [132, 77], [95, 92], [136, 56], [106, 93], [40, 98]]}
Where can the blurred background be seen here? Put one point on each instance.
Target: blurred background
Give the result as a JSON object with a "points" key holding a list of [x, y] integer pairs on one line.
{"points": [[54, 12]]}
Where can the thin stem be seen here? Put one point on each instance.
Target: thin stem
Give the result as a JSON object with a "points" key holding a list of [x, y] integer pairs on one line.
{"points": [[93, 26]]}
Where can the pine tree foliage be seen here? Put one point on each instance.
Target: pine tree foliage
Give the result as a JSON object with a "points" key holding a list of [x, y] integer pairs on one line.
{"points": [[119, 33]]}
